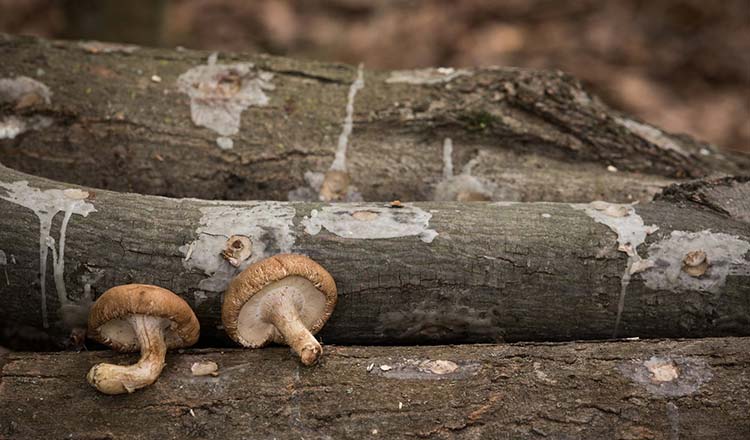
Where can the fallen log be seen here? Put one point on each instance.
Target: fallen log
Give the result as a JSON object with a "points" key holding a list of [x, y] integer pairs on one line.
{"points": [[630, 390], [427, 272], [182, 123]]}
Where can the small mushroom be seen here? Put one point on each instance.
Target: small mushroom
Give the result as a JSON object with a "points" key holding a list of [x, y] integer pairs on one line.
{"points": [[335, 186], [283, 299], [133, 317], [695, 263]]}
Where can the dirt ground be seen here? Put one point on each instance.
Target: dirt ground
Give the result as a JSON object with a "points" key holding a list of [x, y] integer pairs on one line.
{"points": [[681, 64]]}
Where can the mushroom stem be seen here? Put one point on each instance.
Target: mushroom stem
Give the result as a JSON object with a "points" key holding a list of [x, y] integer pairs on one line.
{"points": [[283, 314], [118, 379]]}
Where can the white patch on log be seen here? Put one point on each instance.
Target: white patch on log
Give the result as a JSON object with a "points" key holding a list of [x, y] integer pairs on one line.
{"points": [[447, 158], [311, 192], [339, 162], [268, 225], [371, 222], [673, 376], [219, 93], [225, 143], [426, 369], [463, 187], [426, 76], [631, 233], [46, 204], [13, 89], [12, 126], [724, 254], [652, 135], [102, 47]]}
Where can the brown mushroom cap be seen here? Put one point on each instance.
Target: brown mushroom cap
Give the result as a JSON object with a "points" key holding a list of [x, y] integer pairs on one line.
{"points": [[107, 322], [315, 306]]}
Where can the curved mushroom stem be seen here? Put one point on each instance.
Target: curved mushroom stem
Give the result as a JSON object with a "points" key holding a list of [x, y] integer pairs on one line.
{"points": [[284, 316], [118, 379]]}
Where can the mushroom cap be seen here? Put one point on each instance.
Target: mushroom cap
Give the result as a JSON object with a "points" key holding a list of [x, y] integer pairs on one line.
{"points": [[107, 322], [315, 305]]}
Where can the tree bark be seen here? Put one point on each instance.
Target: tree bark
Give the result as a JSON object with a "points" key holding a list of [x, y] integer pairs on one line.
{"points": [[447, 273], [624, 390], [118, 120]]}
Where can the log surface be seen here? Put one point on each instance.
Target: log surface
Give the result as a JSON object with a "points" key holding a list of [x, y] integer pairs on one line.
{"points": [[493, 272], [692, 389], [116, 119]]}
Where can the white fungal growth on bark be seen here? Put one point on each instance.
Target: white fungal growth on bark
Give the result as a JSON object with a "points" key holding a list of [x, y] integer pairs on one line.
{"points": [[631, 233], [268, 225], [361, 221], [102, 47], [334, 185], [13, 90], [12, 126], [426, 369], [652, 135], [46, 204], [23, 91], [426, 76], [447, 158], [668, 375], [219, 93], [724, 253], [225, 143], [463, 187], [339, 163]]}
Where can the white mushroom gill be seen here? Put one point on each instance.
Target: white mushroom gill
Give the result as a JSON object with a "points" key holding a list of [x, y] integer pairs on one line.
{"points": [[291, 305], [118, 379]]}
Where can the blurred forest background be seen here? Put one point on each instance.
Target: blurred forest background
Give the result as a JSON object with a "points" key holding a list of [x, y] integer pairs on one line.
{"points": [[681, 64]]}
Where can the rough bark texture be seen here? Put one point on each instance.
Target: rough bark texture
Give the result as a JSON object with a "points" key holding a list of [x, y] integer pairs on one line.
{"points": [[621, 390], [519, 271], [535, 135], [729, 195]]}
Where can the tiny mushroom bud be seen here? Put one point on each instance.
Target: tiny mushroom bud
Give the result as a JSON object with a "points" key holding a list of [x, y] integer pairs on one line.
{"points": [[335, 186], [284, 299], [133, 317], [695, 263], [238, 249]]}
